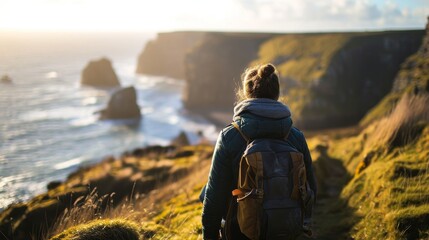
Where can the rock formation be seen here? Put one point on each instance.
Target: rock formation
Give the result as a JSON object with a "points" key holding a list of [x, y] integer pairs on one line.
{"points": [[5, 79], [122, 105], [181, 140], [166, 54], [99, 73]]}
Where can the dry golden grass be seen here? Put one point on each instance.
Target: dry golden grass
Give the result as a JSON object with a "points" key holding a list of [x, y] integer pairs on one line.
{"points": [[402, 125], [171, 210]]}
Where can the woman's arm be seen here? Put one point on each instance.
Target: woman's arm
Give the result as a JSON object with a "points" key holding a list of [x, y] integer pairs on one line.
{"points": [[217, 191], [311, 178]]}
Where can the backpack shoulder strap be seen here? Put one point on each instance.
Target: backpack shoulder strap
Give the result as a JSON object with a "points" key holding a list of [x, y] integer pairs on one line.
{"points": [[241, 132]]}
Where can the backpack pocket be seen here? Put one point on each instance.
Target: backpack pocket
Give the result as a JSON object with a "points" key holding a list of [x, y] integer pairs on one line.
{"points": [[250, 195], [249, 216], [282, 224]]}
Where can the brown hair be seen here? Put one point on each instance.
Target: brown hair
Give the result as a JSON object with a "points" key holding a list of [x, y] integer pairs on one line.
{"points": [[261, 81]]}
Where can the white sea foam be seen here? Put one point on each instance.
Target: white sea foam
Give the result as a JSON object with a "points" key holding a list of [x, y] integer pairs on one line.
{"points": [[69, 163], [81, 122], [51, 75], [57, 113], [89, 101]]}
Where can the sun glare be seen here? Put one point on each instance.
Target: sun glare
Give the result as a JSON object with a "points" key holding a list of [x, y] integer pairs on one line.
{"points": [[81, 15]]}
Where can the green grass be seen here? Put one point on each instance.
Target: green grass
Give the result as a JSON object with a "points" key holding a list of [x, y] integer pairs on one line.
{"points": [[182, 215], [302, 57], [118, 229], [391, 194], [172, 211]]}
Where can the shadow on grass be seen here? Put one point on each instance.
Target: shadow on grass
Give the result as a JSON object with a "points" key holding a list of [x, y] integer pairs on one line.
{"points": [[333, 218]]}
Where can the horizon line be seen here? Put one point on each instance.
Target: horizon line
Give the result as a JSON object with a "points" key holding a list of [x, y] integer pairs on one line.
{"points": [[8, 30]]}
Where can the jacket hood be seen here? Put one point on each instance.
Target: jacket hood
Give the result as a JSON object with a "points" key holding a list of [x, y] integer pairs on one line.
{"points": [[263, 118]]}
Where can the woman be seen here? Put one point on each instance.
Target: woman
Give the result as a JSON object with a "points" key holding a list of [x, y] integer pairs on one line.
{"points": [[258, 115]]}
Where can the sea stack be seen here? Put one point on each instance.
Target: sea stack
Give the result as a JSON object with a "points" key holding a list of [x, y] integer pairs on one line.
{"points": [[122, 105], [181, 140], [99, 73], [6, 79]]}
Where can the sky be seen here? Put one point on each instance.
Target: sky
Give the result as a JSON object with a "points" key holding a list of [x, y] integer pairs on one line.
{"points": [[215, 15]]}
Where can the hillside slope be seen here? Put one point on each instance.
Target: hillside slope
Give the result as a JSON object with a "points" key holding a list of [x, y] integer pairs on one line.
{"points": [[372, 186]]}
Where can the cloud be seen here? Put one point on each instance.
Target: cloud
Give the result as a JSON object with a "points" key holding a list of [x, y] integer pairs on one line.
{"points": [[338, 14], [234, 15]]}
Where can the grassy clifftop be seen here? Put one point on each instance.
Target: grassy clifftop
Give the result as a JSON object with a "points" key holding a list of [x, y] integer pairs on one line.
{"points": [[303, 57], [333, 79]]}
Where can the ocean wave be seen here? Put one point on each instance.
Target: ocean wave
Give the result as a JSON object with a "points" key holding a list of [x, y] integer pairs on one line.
{"points": [[82, 122], [69, 163], [15, 133], [14, 178], [51, 75], [57, 113], [89, 101], [2, 159]]}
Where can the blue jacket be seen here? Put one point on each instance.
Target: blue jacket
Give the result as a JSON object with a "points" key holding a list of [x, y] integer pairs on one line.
{"points": [[257, 118]]}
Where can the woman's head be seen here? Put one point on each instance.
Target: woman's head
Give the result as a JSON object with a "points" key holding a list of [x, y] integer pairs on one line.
{"points": [[260, 81]]}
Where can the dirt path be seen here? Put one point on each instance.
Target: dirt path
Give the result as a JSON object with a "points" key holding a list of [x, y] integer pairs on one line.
{"points": [[332, 217]]}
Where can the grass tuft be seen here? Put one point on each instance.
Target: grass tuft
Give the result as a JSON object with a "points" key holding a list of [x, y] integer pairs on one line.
{"points": [[118, 229]]}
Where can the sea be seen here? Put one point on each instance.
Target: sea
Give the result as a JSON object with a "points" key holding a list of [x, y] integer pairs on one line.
{"points": [[48, 121]]}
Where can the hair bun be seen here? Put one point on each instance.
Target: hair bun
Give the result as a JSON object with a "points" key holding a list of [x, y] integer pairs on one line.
{"points": [[266, 70]]}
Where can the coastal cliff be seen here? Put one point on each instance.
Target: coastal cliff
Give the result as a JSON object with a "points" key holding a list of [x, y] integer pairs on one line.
{"points": [[165, 55], [328, 79], [412, 78], [214, 67]]}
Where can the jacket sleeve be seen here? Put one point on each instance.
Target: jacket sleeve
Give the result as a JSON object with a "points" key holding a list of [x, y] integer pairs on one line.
{"points": [[217, 191], [311, 178]]}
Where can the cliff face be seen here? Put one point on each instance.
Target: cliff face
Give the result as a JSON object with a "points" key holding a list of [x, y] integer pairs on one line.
{"points": [[412, 78], [213, 69], [357, 77], [327, 79], [165, 55]]}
